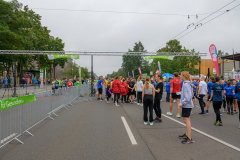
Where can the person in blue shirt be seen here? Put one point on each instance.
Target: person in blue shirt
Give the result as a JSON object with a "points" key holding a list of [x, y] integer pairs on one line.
{"points": [[209, 85], [195, 86], [229, 91], [168, 86], [235, 98], [216, 96], [237, 90], [100, 85], [153, 83]]}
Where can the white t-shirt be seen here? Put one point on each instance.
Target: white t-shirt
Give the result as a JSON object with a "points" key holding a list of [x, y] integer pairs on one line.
{"points": [[204, 87], [139, 86]]}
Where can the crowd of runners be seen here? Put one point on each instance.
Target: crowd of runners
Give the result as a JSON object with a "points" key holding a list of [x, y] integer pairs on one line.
{"points": [[182, 89]]}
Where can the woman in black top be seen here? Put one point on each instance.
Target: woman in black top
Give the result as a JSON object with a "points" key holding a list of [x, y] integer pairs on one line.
{"points": [[158, 97]]}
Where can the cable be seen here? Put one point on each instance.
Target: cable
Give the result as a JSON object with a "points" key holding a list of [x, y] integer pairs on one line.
{"points": [[197, 23], [209, 21]]}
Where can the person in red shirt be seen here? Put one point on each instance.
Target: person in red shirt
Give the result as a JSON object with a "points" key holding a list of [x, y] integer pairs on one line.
{"points": [[116, 85], [175, 93], [70, 84], [124, 90]]}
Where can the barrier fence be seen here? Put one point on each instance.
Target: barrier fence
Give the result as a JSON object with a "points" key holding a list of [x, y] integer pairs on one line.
{"points": [[18, 120]]}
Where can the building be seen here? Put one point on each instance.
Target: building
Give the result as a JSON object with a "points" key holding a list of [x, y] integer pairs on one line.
{"points": [[204, 65]]}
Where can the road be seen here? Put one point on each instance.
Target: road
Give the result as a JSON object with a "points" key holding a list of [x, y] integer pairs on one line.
{"points": [[95, 130]]}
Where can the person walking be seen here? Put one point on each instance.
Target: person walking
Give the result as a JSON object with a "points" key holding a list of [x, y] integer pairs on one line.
{"points": [[116, 85], [158, 97], [216, 96], [168, 86], [175, 93], [148, 94], [131, 86], [5, 81], [139, 90], [229, 91], [235, 104], [209, 90], [100, 87], [124, 91], [1, 82], [237, 90], [201, 93], [186, 104]]}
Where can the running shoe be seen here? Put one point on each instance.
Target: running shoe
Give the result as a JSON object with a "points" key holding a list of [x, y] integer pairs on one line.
{"points": [[169, 113], [231, 113], [151, 123], [202, 113], [184, 136], [235, 112], [178, 116], [114, 104], [156, 118], [187, 141], [218, 123], [220, 114], [206, 112], [117, 105], [191, 114], [145, 123], [228, 112]]}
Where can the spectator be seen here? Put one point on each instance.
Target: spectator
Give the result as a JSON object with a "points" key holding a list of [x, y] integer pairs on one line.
{"points": [[5, 81], [1, 82], [23, 82]]}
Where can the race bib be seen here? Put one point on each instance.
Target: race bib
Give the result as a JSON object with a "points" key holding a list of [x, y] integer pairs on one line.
{"points": [[178, 93]]}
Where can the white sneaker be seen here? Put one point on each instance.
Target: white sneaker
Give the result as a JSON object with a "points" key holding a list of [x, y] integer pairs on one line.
{"points": [[174, 101], [117, 105], [169, 113], [145, 123], [151, 123]]}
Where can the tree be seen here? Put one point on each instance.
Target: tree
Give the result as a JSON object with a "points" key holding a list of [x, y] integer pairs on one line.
{"points": [[72, 70]]}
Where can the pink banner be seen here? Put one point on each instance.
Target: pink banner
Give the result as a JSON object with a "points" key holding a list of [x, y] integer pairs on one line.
{"points": [[213, 53], [140, 72]]}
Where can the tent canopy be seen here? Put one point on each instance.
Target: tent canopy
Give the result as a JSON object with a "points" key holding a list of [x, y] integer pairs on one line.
{"points": [[235, 57]]}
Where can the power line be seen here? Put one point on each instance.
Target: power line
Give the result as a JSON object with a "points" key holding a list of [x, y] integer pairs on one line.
{"points": [[209, 21], [198, 23]]}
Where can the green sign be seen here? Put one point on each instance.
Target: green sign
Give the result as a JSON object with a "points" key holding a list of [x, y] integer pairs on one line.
{"points": [[63, 56], [144, 75], [13, 102], [160, 57]]}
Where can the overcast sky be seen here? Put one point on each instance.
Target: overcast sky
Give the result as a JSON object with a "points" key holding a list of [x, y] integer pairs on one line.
{"points": [[107, 31]]}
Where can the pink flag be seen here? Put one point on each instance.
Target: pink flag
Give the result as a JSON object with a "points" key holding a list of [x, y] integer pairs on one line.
{"points": [[213, 53]]}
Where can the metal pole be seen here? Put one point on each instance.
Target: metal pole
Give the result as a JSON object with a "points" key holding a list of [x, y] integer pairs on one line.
{"points": [[92, 80], [15, 78], [223, 69], [199, 67], [153, 67], [208, 74], [234, 61]]}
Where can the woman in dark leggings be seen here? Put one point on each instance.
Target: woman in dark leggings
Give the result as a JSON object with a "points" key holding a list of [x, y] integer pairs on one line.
{"points": [[148, 94], [237, 90], [229, 91], [217, 96]]}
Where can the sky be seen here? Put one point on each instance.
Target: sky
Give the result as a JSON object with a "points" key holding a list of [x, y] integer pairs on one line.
{"points": [[117, 31]]}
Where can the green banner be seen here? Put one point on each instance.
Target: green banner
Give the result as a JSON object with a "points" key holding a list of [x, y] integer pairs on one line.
{"points": [[63, 56], [144, 75], [13, 102], [160, 57]]}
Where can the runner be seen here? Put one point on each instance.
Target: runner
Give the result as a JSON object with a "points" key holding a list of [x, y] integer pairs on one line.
{"points": [[237, 90], [148, 94], [175, 94], [209, 90], [108, 91], [100, 87], [124, 91], [116, 85], [65, 83], [216, 96], [235, 103], [229, 91], [158, 97], [131, 86], [201, 93], [223, 99], [168, 86], [186, 104], [139, 90]]}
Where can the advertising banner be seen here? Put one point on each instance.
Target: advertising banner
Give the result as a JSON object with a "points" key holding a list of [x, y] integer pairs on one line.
{"points": [[13, 102], [140, 72], [62, 56], [159, 67], [213, 53]]}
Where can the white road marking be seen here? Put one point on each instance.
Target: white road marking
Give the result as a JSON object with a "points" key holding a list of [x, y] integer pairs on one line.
{"points": [[8, 137], [205, 134], [130, 134]]}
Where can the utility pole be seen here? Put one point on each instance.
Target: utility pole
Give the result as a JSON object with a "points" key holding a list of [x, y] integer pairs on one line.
{"points": [[92, 80], [15, 78]]}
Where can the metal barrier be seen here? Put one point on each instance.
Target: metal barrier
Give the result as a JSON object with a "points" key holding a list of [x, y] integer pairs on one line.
{"points": [[19, 120]]}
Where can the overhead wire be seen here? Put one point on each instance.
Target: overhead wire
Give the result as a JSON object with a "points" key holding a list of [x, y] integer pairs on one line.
{"points": [[197, 23]]}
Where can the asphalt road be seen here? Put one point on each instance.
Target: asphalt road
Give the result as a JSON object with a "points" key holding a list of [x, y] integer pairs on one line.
{"points": [[95, 130]]}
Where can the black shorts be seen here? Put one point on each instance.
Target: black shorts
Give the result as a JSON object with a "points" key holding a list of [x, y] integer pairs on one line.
{"points": [[209, 98], [186, 112], [100, 90], [234, 97], [175, 96], [131, 92]]}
